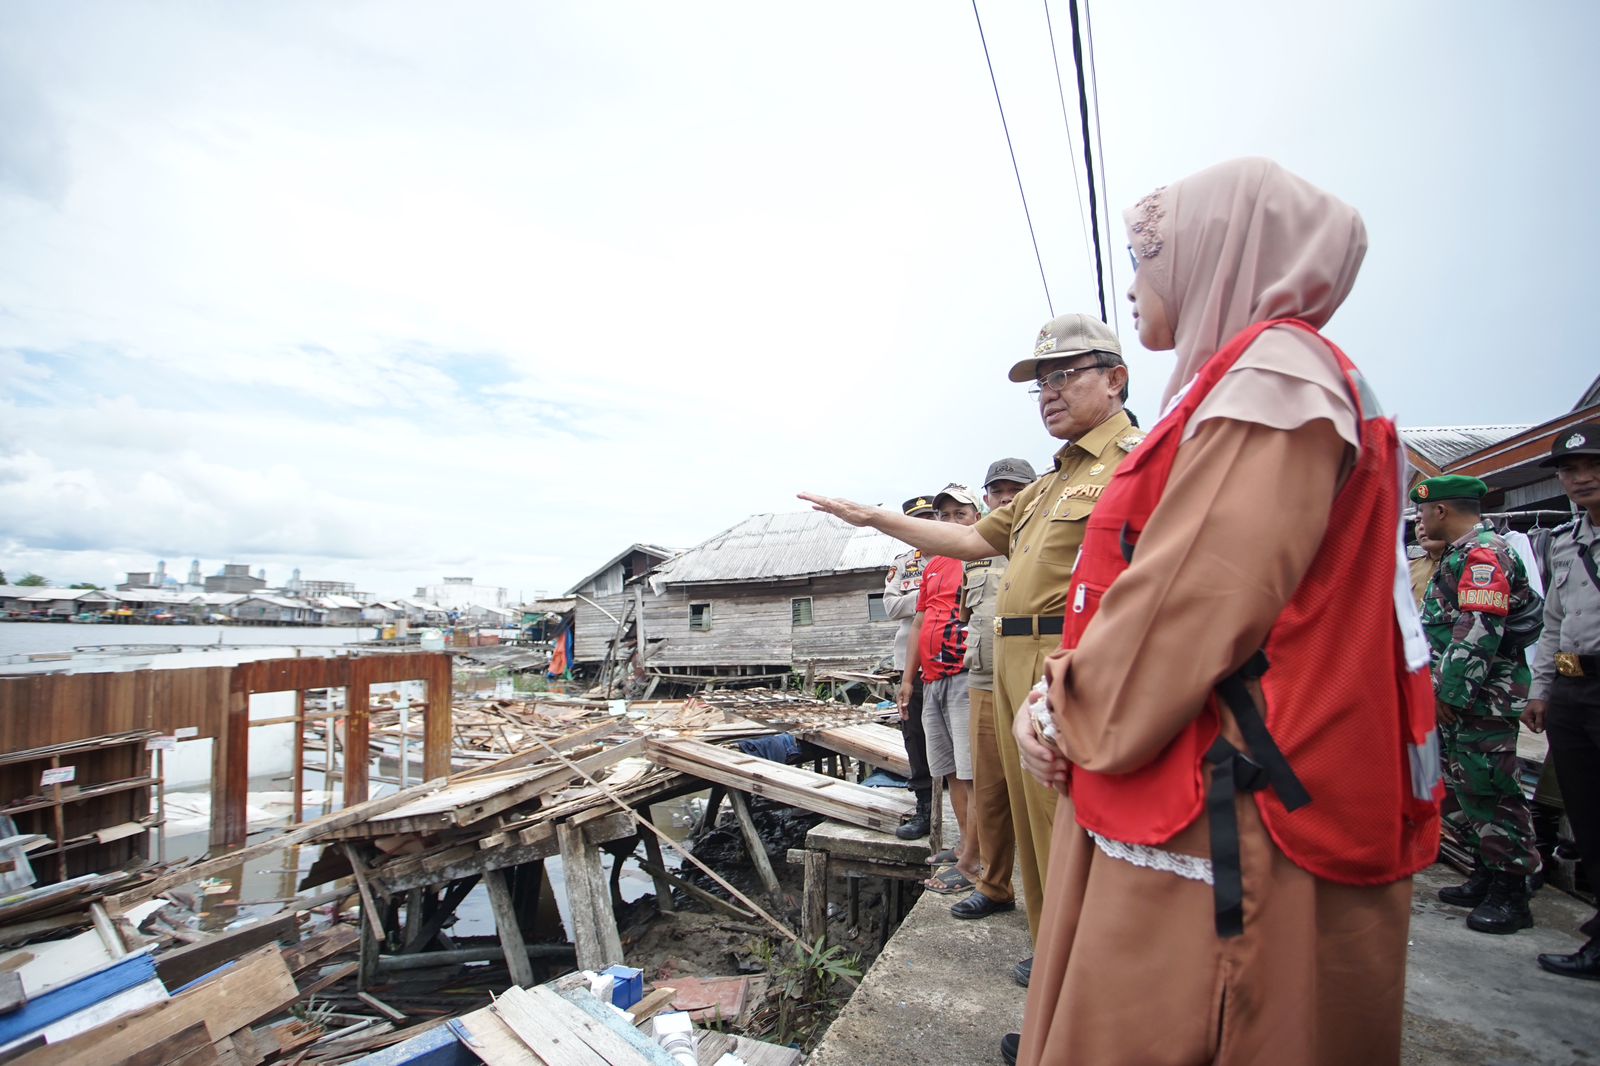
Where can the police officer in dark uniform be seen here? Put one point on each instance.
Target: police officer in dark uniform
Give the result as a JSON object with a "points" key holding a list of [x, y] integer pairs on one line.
{"points": [[1565, 695]]}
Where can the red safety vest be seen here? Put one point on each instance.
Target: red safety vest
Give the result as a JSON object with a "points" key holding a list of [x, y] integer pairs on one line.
{"points": [[1352, 719]]}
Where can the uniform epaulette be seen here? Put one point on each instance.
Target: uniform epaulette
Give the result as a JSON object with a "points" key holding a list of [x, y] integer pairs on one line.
{"points": [[1564, 527], [1130, 440]]}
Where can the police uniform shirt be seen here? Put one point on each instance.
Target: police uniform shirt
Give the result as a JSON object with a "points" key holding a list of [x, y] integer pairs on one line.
{"points": [[1571, 604], [1041, 530], [900, 589]]}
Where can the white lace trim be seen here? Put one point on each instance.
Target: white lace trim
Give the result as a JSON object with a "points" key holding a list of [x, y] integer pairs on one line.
{"points": [[1189, 866]]}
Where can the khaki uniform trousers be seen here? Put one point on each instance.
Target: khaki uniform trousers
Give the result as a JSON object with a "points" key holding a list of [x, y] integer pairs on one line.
{"points": [[1019, 663], [990, 817]]}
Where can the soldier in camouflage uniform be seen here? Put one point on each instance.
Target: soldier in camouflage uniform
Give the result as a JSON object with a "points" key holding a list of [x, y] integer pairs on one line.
{"points": [[1479, 614]]}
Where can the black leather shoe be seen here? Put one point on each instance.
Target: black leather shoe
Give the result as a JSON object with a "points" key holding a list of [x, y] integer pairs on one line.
{"points": [[1009, 1044], [1583, 963], [978, 905], [1505, 907], [1471, 892], [1023, 970]]}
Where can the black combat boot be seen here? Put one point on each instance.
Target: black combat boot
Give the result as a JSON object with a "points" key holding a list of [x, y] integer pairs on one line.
{"points": [[1469, 893], [1505, 909], [919, 824]]}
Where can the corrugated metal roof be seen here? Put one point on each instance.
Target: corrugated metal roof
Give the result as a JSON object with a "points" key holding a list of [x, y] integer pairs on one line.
{"points": [[1443, 445], [767, 547]]}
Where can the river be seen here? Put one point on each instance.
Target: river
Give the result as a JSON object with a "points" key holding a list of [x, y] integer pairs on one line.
{"points": [[33, 638]]}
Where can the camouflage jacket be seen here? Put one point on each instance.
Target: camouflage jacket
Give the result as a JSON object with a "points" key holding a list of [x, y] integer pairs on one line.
{"points": [[1479, 614]]}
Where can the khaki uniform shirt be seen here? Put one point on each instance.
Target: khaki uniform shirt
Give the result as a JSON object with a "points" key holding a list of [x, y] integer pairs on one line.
{"points": [[979, 595], [1571, 604], [1041, 531]]}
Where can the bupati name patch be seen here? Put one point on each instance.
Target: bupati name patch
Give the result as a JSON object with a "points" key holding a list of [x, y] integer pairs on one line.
{"points": [[1083, 492]]}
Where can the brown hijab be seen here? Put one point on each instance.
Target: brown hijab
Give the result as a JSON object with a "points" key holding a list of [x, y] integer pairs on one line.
{"points": [[1239, 243]]}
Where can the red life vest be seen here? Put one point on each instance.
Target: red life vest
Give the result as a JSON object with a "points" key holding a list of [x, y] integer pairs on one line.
{"points": [[1348, 703]]}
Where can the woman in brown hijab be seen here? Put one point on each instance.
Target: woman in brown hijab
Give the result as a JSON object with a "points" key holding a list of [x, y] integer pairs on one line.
{"points": [[1133, 965]]}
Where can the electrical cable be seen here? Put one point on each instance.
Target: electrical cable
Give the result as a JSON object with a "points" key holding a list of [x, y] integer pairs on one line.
{"points": [[1100, 146], [1088, 156], [1018, 171], [1066, 122]]}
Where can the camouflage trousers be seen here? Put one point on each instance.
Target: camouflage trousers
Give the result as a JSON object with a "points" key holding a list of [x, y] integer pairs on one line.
{"points": [[1489, 813]]}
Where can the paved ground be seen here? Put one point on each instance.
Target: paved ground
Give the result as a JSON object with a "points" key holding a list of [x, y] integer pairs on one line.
{"points": [[941, 991]]}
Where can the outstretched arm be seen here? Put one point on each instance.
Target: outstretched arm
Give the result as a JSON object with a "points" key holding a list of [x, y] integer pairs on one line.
{"points": [[934, 538]]}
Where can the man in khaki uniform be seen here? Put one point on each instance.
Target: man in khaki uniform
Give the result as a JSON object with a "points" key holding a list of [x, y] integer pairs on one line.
{"points": [[1080, 384], [990, 815]]}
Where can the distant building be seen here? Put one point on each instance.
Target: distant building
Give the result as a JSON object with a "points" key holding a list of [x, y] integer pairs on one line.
{"points": [[275, 610], [455, 593], [235, 577]]}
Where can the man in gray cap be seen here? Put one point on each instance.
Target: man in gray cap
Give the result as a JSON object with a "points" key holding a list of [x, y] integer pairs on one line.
{"points": [[989, 821], [1566, 671], [1078, 380]]}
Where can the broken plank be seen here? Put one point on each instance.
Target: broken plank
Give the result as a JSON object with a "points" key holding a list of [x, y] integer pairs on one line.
{"points": [[489, 1038], [381, 1007], [550, 1039], [791, 785], [610, 1046], [175, 1048], [178, 967], [257, 986]]}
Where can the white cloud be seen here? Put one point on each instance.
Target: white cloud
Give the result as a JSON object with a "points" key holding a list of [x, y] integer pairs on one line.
{"points": [[379, 292]]}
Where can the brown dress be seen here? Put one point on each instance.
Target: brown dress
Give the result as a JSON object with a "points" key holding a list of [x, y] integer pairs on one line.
{"points": [[1129, 968]]}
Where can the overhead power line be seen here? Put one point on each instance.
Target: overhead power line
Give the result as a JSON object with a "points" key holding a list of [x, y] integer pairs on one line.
{"points": [[1100, 146], [1018, 172], [1066, 123], [1088, 155]]}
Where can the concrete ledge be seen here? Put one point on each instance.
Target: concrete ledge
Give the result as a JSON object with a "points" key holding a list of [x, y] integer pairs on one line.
{"points": [[941, 992]]}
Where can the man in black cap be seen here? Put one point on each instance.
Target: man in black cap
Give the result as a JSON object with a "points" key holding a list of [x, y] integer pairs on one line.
{"points": [[900, 603], [1566, 672]]}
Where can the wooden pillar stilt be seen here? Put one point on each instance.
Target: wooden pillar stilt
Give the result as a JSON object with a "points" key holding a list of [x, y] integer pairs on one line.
{"points": [[652, 851], [814, 903], [594, 925], [505, 921], [752, 841]]}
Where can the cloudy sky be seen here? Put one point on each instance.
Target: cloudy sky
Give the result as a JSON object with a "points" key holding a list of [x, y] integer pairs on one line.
{"points": [[387, 291]]}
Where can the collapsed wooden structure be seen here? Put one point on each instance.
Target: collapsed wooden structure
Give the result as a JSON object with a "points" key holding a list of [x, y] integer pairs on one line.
{"points": [[580, 788]]}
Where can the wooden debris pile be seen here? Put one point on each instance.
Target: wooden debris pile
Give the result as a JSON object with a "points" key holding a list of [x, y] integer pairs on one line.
{"points": [[363, 957]]}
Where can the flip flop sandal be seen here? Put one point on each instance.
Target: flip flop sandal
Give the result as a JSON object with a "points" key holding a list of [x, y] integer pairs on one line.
{"points": [[949, 882], [943, 858]]}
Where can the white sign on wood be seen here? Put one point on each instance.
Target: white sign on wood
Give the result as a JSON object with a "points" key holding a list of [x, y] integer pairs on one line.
{"points": [[58, 775]]}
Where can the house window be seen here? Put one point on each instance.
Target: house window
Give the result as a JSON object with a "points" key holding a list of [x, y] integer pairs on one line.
{"points": [[700, 616], [876, 612], [800, 611]]}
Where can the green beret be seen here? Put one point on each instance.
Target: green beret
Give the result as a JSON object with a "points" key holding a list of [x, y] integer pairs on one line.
{"points": [[1450, 487]]}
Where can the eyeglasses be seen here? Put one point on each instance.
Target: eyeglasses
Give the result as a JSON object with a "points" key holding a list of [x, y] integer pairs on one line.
{"points": [[1057, 380], [1134, 256]]}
